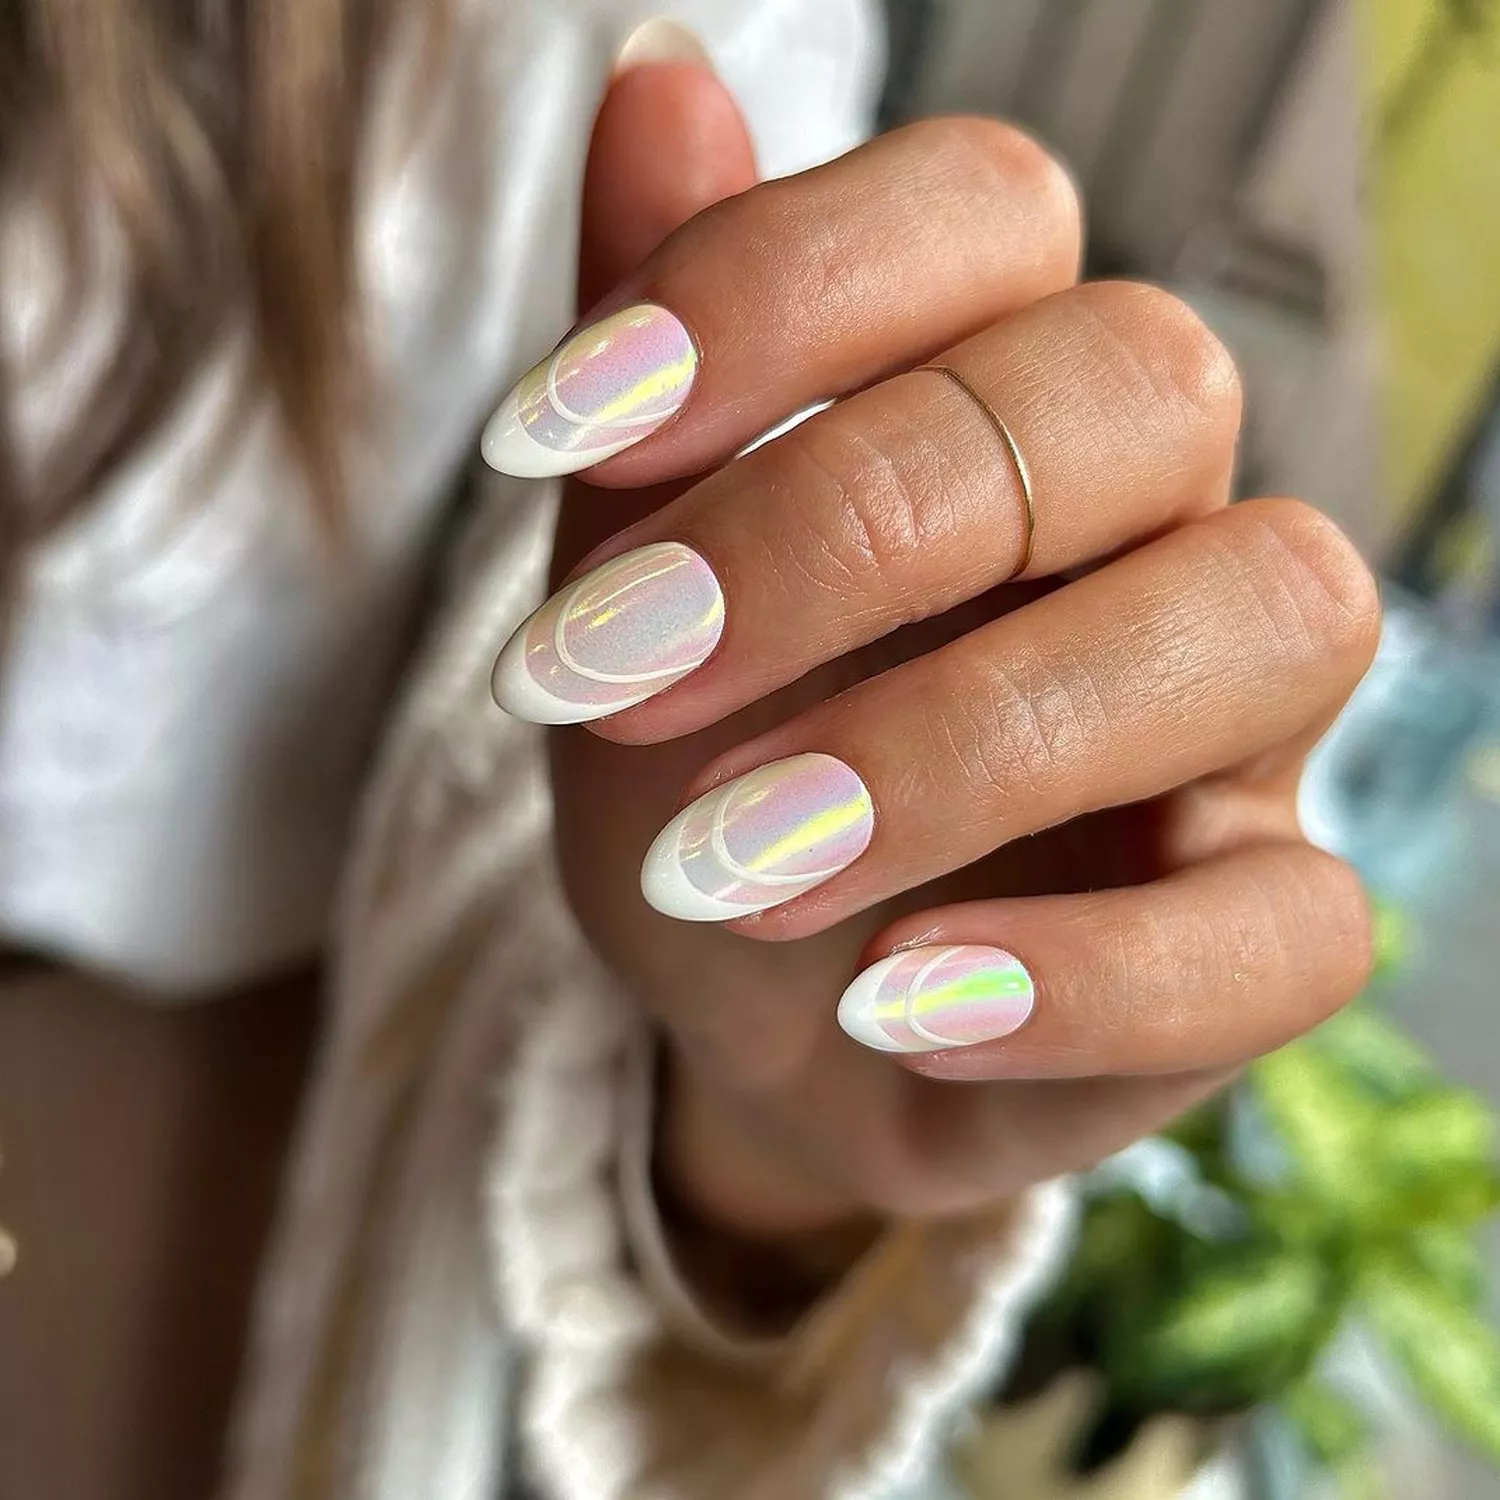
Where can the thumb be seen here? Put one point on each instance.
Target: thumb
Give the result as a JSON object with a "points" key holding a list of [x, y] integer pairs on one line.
{"points": [[668, 141]]}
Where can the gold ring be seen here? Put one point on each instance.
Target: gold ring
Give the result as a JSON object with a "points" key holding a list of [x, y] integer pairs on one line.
{"points": [[1023, 472]]}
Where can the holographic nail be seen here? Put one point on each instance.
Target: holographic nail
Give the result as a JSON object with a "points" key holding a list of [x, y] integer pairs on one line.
{"points": [[929, 999], [612, 639], [607, 387], [759, 840]]}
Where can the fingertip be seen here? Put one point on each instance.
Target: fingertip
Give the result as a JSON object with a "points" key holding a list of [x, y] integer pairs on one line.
{"points": [[662, 39]]}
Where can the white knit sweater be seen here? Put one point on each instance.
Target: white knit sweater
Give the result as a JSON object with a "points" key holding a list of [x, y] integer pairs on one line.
{"points": [[452, 1271]]}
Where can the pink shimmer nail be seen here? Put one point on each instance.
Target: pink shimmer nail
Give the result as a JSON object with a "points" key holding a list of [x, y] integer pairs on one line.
{"points": [[610, 385], [612, 639]]}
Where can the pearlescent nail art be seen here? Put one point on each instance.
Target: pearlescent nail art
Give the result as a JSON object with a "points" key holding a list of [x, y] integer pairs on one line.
{"points": [[929, 999], [759, 840], [618, 635], [607, 387]]}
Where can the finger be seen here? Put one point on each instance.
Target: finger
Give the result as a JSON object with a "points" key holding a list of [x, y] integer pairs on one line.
{"points": [[1181, 659], [895, 506], [1202, 970], [793, 292], [668, 141], [962, 1149]]}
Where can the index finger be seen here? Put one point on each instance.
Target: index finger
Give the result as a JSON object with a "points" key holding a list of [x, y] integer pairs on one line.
{"points": [[794, 292]]}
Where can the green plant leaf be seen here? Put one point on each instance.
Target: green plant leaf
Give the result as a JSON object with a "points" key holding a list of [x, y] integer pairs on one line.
{"points": [[1124, 1253], [1231, 1335], [1201, 1129], [1449, 1256], [1332, 1427], [1438, 1128], [1450, 1355], [1378, 1162], [1436, 1156], [1294, 1219], [1463, 1197], [1375, 1052], [1392, 939], [1360, 1477], [1327, 1124]]}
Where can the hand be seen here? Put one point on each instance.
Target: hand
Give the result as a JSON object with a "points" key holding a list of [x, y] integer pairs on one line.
{"points": [[1087, 786]]}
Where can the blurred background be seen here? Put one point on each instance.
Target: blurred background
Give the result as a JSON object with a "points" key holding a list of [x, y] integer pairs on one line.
{"points": [[1321, 179]]}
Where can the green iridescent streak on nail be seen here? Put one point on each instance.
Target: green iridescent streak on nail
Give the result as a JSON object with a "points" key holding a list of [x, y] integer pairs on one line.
{"points": [[973, 989]]}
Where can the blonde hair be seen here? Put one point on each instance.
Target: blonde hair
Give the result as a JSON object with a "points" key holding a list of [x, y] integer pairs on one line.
{"points": [[224, 136]]}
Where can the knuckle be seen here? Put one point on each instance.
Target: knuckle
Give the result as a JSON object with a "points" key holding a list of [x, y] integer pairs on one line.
{"points": [[861, 519], [1002, 727], [1306, 555], [1001, 161], [1167, 357]]}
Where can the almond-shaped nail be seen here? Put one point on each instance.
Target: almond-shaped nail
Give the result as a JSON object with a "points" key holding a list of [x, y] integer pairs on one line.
{"points": [[613, 638], [759, 840], [932, 998], [604, 389], [663, 39]]}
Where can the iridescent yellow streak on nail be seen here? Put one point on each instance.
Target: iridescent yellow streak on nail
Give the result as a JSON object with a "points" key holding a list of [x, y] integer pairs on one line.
{"points": [[656, 384], [823, 825]]}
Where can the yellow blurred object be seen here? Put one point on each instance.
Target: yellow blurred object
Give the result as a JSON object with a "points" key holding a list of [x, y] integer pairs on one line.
{"points": [[1434, 106], [1022, 1452]]}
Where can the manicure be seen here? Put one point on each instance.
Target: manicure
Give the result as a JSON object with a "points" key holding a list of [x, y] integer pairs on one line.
{"points": [[612, 639], [759, 840], [664, 39], [932, 998], [604, 389]]}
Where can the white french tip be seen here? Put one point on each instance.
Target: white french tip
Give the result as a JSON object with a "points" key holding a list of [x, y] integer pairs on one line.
{"points": [[662, 39], [506, 446], [857, 1005], [670, 892], [516, 691]]}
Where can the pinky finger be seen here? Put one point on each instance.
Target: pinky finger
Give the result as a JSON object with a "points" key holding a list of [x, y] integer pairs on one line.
{"points": [[1204, 969]]}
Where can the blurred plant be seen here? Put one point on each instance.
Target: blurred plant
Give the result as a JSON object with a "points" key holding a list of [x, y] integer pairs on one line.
{"points": [[1344, 1179]]}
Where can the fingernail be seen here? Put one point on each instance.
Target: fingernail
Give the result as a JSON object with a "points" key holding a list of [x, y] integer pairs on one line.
{"points": [[929, 999], [612, 639], [662, 39], [606, 388], [759, 840]]}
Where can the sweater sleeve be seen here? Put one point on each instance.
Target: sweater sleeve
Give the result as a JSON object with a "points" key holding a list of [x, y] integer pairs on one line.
{"points": [[460, 1289], [633, 1391]]}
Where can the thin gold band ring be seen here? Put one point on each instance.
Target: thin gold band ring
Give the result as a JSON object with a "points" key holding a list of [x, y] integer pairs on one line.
{"points": [[1023, 471]]}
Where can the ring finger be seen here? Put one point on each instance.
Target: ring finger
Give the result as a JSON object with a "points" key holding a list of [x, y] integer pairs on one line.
{"points": [[1195, 653]]}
